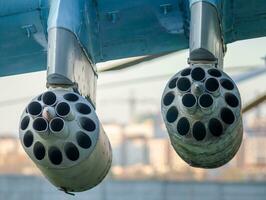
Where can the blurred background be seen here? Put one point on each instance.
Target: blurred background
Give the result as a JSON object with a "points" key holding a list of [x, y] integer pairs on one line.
{"points": [[145, 165]]}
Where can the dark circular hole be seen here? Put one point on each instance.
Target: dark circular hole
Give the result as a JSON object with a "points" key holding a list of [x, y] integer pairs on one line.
{"points": [[71, 151], [227, 116], [189, 100], [183, 84], [212, 85], [168, 99], [215, 73], [28, 139], [39, 151], [83, 108], [63, 109], [83, 140], [231, 100], [198, 74], [57, 124], [25, 123], [183, 126], [227, 84], [87, 124], [186, 72], [55, 155], [71, 97], [205, 100], [34, 108], [172, 83], [40, 124], [199, 131], [49, 98], [215, 127], [172, 114]]}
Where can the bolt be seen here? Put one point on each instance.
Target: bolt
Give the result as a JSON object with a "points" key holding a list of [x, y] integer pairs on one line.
{"points": [[166, 8], [113, 16]]}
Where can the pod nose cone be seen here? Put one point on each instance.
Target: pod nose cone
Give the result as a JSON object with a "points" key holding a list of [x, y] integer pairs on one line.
{"points": [[48, 113], [197, 88]]}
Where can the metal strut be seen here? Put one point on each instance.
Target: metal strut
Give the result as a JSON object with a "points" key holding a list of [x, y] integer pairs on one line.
{"points": [[206, 43], [68, 63]]}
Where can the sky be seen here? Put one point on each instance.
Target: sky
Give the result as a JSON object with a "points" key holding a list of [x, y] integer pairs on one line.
{"points": [[112, 101]]}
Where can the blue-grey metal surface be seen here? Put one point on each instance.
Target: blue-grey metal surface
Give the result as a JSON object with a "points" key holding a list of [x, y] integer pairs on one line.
{"points": [[22, 36], [32, 188], [113, 29], [243, 19]]}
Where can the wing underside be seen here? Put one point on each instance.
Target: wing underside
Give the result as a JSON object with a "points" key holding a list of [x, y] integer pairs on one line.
{"points": [[120, 29]]}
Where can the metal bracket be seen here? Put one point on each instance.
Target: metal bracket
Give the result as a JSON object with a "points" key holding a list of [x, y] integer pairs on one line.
{"points": [[206, 43], [68, 65], [113, 16], [30, 29], [166, 8]]}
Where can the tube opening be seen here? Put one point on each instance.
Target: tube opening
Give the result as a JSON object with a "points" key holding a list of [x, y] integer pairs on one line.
{"points": [[28, 139], [49, 98], [206, 101], [57, 124], [215, 127], [40, 124], [198, 74], [34, 108], [172, 114], [186, 72], [83, 108], [87, 124], [231, 100], [215, 72], [83, 140], [39, 151], [172, 83], [63, 109], [25, 123], [183, 126], [199, 131], [227, 116], [55, 155], [227, 84], [71, 97], [168, 99], [71, 151], [183, 84], [189, 100], [212, 85]]}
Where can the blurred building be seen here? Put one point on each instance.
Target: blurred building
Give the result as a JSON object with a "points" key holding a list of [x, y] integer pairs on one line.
{"points": [[255, 151], [140, 151], [13, 159]]}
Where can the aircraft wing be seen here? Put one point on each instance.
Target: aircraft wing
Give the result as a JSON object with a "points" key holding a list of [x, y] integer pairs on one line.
{"points": [[114, 29], [23, 42]]}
